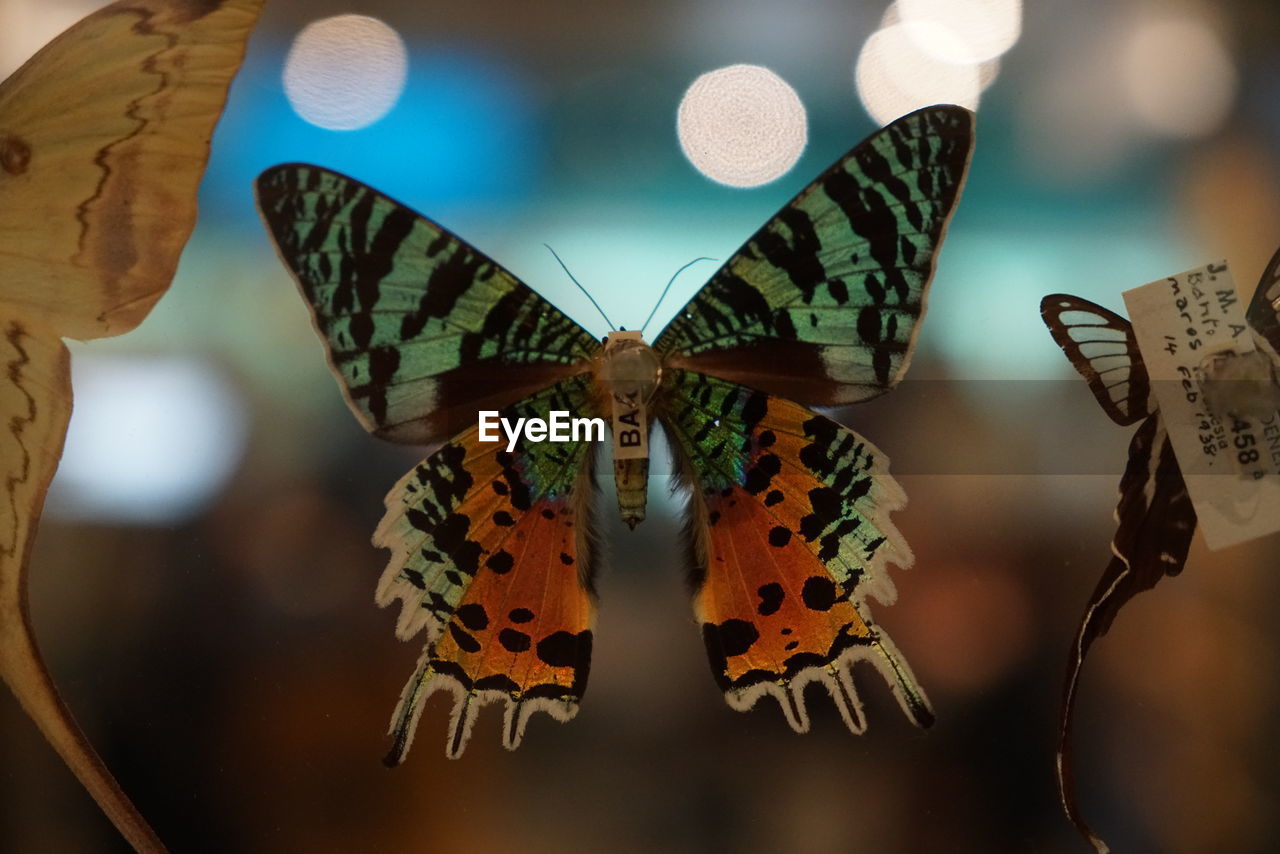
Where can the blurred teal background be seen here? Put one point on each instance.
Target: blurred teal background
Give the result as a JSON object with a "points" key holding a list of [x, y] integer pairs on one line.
{"points": [[203, 582]]}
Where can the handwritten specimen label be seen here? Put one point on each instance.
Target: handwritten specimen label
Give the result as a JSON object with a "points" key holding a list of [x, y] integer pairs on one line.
{"points": [[1231, 461]]}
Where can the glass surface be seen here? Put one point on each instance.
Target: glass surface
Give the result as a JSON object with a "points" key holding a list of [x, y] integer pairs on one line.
{"points": [[219, 641]]}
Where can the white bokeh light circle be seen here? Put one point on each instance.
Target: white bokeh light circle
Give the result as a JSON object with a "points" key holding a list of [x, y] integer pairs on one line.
{"points": [[1179, 76], [988, 70], [152, 439], [742, 125], [894, 77], [345, 72], [978, 29]]}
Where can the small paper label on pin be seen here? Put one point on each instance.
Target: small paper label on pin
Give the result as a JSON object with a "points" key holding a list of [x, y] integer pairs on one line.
{"points": [[630, 419], [1231, 461]]}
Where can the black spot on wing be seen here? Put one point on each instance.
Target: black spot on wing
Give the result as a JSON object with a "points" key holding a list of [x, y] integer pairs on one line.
{"points": [[464, 641], [451, 539], [760, 476], [736, 636], [771, 598], [500, 561], [473, 616], [561, 649], [799, 258], [819, 593], [514, 640], [724, 640]]}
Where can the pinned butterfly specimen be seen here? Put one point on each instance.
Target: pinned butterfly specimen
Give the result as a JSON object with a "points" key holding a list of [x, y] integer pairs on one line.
{"points": [[1155, 515], [787, 529], [104, 136]]}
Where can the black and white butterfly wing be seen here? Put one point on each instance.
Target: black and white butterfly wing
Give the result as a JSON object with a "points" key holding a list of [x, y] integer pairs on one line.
{"points": [[1101, 346], [1154, 514]]}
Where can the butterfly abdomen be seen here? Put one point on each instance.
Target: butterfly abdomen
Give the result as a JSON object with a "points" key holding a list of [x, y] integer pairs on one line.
{"points": [[631, 477]]}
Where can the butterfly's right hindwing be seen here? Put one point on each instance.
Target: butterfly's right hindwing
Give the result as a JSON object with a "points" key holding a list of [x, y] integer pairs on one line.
{"points": [[421, 329], [1102, 348], [788, 534]]}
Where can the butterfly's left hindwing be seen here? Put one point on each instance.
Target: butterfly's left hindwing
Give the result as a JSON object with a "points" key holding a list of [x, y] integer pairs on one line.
{"points": [[823, 303], [491, 555], [788, 534]]}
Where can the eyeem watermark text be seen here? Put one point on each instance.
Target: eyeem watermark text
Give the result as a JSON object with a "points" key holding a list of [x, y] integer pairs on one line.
{"points": [[559, 428]]}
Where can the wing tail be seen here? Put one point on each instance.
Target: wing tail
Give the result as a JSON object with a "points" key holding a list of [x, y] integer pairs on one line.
{"points": [[1156, 523]]}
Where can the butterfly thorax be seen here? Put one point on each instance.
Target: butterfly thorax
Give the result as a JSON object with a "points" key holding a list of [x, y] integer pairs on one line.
{"points": [[629, 367], [628, 373]]}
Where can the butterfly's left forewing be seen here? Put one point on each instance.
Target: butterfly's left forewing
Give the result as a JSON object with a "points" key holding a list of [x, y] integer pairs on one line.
{"points": [[491, 555], [421, 329], [788, 534]]}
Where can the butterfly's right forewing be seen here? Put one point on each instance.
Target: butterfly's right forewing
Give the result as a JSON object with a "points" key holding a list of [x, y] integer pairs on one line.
{"points": [[823, 304], [421, 329]]}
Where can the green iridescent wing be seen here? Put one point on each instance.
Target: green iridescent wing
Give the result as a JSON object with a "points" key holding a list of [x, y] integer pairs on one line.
{"points": [[822, 304], [491, 554], [788, 534], [421, 329]]}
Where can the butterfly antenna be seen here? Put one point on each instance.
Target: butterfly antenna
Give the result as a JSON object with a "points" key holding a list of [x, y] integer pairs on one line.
{"points": [[668, 288], [580, 287]]}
